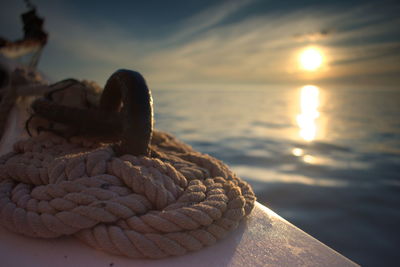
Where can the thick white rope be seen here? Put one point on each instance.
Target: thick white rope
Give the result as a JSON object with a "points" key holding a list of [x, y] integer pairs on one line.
{"points": [[140, 207]]}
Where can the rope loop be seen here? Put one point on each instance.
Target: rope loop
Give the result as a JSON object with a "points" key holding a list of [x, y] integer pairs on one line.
{"points": [[125, 110], [117, 196]]}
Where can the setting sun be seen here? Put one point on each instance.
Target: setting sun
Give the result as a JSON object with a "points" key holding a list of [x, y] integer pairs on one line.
{"points": [[311, 59]]}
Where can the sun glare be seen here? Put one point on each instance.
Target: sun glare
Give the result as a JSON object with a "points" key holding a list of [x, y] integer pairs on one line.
{"points": [[311, 59], [309, 102]]}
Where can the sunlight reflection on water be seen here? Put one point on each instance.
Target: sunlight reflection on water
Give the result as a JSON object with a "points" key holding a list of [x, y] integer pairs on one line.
{"points": [[306, 120], [285, 177]]}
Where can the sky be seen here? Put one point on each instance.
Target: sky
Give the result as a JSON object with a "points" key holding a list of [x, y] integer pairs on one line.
{"points": [[192, 44]]}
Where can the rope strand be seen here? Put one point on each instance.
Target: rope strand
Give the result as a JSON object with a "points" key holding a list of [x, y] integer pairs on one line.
{"points": [[139, 207]]}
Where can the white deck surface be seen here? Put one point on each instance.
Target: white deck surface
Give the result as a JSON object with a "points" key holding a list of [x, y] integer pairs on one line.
{"points": [[264, 239]]}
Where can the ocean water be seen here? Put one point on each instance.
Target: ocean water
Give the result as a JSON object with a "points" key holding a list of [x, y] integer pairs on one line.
{"points": [[325, 158]]}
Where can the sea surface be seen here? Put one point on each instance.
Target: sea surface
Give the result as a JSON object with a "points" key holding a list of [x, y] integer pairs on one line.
{"points": [[325, 158]]}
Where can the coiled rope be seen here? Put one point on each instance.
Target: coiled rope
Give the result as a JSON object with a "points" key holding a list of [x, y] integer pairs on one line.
{"points": [[165, 199]]}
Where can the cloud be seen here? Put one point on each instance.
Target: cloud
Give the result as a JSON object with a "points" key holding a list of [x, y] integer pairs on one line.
{"points": [[262, 50], [208, 18], [314, 36], [204, 49]]}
